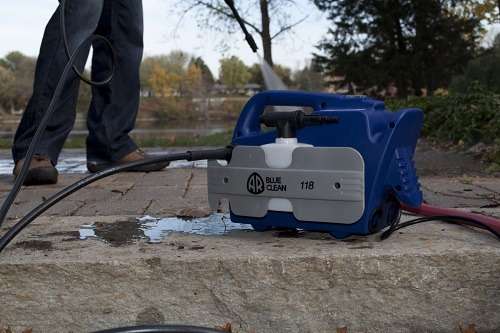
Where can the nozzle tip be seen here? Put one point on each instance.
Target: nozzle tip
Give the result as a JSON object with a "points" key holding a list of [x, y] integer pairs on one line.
{"points": [[252, 43]]}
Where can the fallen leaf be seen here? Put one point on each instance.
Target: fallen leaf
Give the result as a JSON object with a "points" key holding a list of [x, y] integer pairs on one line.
{"points": [[342, 330], [28, 330], [192, 213], [469, 329], [227, 327]]}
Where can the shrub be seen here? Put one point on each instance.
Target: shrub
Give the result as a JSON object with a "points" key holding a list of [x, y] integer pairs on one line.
{"points": [[469, 118]]}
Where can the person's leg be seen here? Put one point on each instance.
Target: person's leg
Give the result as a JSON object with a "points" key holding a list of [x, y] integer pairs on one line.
{"points": [[114, 108], [82, 17]]}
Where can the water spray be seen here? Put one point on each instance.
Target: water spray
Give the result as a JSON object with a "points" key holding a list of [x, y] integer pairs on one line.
{"points": [[271, 79]]}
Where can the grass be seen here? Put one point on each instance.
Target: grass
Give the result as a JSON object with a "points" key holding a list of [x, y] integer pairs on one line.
{"points": [[217, 139], [5, 143]]}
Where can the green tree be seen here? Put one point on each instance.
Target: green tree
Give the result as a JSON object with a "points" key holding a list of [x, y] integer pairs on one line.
{"points": [[309, 78], [284, 73], [233, 72], [206, 73], [484, 70], [22, 69], [7, 81], [415, 45], [164, 74], [488, 10], [194, 81], [256, 75]]}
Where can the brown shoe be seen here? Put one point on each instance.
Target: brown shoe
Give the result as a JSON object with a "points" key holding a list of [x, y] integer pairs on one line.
{"points": [[41, 171], [137, 155]]}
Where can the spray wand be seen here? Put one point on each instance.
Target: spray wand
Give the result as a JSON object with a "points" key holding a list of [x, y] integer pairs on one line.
{"points": [[241, 22]]}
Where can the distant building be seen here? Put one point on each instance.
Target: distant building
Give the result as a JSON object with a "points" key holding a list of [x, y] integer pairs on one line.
{"points": [[251, 89], [337, 85], [248, 89], [217, 89], [145, 92], [12, 111], [16, 112]]}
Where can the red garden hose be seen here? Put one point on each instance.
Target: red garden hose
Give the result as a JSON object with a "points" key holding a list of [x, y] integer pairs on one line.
{"points": [[429, 211]]}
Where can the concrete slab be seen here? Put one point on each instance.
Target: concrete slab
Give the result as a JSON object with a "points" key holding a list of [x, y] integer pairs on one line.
{"points": [[429, 278], [461, 191]]}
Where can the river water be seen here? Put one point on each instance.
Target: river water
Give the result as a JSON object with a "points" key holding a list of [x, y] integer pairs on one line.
{"points": [[145, 128], [73, 161]]}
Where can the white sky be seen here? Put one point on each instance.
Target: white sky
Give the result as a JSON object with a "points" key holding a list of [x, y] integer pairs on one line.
{"points": [[22, 23]]}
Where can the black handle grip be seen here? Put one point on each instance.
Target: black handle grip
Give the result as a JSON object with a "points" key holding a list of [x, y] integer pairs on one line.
{"points": [[287, 123]]}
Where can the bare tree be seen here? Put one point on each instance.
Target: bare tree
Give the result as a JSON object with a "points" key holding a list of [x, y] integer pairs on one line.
{"points": [[269, 19]]}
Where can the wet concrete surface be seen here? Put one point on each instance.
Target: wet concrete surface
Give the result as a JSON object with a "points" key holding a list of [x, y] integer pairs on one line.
{"points": [[156, 230]]}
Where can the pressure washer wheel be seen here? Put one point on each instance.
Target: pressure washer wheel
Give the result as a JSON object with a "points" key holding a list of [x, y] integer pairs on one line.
{"points": [[386, 215]]}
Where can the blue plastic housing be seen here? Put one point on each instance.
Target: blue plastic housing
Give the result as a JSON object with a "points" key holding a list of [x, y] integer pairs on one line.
{"points": [[385, 139]]}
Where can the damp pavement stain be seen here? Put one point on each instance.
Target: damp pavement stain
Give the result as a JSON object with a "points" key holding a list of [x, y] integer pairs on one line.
{"points": [[155, 230], [35, 245]]}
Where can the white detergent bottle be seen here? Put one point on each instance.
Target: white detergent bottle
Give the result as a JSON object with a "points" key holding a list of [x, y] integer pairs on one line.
{"points": [[279, 155]]}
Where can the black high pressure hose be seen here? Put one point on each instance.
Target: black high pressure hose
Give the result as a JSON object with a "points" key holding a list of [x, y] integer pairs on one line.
{"points": [[67, 50], [161, 329]]}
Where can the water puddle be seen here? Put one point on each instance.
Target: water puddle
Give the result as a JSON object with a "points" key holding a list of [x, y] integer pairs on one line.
{"points": [[155, 230]]}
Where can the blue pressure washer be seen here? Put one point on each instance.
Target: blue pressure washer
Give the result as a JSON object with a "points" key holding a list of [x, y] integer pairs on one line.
{"points": [[347, 168], [348, 164]]}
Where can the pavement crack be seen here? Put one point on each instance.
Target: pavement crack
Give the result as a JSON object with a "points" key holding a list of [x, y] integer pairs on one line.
{"points": [[131, 187], [486, 188], [144, 211], [188, 184], [223, 307], [81, 204]]}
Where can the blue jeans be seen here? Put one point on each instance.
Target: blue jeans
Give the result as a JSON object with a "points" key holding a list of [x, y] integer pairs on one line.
{"points": [[113, 109]]}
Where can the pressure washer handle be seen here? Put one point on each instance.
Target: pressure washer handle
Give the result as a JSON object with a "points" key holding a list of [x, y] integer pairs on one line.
{"points": [[249, 122], [287, 123]]}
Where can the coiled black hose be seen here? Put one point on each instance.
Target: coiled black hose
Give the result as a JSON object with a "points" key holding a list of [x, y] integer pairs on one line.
{"points": [[161, 329], [70, 66], [62, 20]]}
